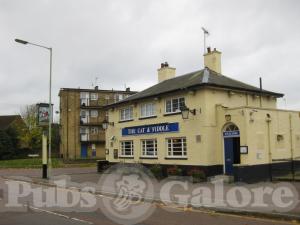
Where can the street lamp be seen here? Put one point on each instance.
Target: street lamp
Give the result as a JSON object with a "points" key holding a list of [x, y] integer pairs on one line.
{"points": [[185, 111], [50, 89]]}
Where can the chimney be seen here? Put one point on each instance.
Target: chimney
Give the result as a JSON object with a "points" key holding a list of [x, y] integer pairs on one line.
{"points": [[96, 87], [212, 60], [128, 89], [165, 72]]}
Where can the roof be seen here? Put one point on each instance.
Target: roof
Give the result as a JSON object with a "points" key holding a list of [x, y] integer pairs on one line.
{"points": [[6, 121], [97, 90], [197, 79]]}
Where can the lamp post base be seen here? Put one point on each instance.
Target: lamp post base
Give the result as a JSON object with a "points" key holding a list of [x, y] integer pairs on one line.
{"points": [[45, 171]]}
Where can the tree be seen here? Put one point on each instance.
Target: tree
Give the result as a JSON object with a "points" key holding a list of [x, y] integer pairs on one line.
{"points": [[34, 135], [33, 138], [6, 146]]}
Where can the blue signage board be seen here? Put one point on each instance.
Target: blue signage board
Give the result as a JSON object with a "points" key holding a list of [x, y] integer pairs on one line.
{"points": [[234, 133], [151, 129]]}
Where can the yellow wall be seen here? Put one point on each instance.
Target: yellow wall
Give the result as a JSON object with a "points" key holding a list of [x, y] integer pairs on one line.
{"points": [[211, 107]]}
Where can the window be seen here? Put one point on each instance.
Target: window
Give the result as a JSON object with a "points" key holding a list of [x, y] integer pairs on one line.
{"points": [[147, 110], [126, 148], [84, 95], [176, 147], [94, 130], [126, 114], [118, 97], [94, 113], [83, 130], [94, 96], [174, 105], [83, 114], [149, 148]]}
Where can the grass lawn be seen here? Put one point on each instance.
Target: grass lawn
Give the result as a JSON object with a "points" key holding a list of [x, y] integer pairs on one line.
{"points": [[37, 163]]}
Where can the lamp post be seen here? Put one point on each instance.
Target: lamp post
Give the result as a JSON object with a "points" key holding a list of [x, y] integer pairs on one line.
{"points": [[50, 89]]}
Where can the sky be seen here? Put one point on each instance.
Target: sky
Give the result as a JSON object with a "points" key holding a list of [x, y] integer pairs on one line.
{"points": [[118, 43]]}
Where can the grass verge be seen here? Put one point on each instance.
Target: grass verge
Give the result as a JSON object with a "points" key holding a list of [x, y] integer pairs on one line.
{"points": [[37, 163]]}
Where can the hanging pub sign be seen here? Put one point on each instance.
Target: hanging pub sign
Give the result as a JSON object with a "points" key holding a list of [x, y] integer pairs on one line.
{"points": [[43, 114], [151, 129]]}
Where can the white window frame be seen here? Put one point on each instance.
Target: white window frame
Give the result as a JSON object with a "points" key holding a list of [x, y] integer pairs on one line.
{"points": [[94, 113], [83, 130], [94, 130], [146, 148], [172, 105], [126, 116], [84, 95], [94, 96], [170, 147], [147, 110], [124, 149]]}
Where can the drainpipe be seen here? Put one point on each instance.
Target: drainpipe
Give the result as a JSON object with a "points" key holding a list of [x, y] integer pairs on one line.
{"points": [[292, 148], [260, 88], [268, 120]]}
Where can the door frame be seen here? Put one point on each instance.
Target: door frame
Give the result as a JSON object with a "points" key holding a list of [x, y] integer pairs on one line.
{"points": [[231, 136]]}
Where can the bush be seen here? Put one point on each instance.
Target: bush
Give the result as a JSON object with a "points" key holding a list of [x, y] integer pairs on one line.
{"points": [[6, 146], [174, 171], [157, 171], [197, 174]]}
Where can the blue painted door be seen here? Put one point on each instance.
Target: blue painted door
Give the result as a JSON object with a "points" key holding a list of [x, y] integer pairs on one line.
{"points": [[83, 151], [228, 143]]}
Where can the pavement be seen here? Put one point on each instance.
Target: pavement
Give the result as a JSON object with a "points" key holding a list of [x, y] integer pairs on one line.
{"points": [[181, 215]]}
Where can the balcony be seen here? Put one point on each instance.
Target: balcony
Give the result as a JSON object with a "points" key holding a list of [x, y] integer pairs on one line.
{"points": [[87, 103], [91, 121], [99, 137]]}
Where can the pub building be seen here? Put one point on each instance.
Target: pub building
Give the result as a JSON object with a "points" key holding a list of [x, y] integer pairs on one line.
{"points": [[204, 120]]}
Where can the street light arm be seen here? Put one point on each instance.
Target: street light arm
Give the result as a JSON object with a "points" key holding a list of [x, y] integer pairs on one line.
{"points": [[29, 43]]}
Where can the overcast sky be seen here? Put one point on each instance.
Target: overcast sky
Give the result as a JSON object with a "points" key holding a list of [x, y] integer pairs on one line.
{"points": [[123, 42]]}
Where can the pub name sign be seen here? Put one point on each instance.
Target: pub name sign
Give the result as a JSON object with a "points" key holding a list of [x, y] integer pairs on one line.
{"points": [[151, 129]]}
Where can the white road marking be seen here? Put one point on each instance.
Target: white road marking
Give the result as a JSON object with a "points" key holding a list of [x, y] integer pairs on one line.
{"points": [[60, 215]]}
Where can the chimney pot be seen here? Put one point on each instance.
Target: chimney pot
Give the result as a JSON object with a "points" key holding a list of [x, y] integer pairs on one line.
{"points": [[165, 72], [212, 60]]}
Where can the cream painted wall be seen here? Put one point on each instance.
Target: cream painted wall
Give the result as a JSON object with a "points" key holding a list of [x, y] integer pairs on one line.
{"points": [[261, 136], [211, 107]]}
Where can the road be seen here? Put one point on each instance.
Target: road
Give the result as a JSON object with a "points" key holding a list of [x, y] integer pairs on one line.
{"points": [[162, 215], [159, 217]]}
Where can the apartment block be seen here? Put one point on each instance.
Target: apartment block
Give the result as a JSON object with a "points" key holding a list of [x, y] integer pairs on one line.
{"points": [[81, 116]]}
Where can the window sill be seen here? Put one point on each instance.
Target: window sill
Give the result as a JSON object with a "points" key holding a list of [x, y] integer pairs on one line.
{"points": [[176, 158], [148, 157], [148, 117], [124, 121], [171, 114], [126, 157]]}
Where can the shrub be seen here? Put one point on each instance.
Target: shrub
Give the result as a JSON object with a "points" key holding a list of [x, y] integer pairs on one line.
{"points": [[157, 171], [174, 171], [197, 174]]}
